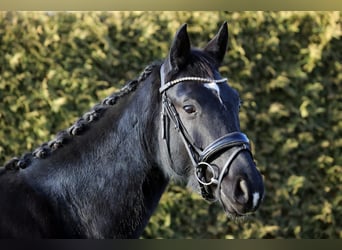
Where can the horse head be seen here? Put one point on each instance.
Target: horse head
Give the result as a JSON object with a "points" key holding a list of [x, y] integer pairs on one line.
{"points": [[200, 129]]}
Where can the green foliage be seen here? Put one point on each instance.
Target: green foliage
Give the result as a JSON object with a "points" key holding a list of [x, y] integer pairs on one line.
{"points": [[287, 67]]}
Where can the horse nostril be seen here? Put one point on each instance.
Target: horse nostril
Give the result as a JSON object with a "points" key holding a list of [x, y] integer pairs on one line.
{"points": [[241, 192], [244, 188]]}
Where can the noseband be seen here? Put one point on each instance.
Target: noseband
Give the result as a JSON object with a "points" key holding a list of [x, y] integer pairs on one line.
{"points": [[199, 157]]}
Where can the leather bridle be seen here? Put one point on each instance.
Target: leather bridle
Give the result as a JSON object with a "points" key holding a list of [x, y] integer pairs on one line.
{"points": [[200, 158]]}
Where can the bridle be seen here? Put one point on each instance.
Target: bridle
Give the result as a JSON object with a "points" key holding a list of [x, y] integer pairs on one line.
{"points": [[199, 157]]}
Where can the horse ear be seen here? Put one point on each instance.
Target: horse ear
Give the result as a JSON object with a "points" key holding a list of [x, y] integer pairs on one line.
{"points": [[180, 49], [218, 45]]}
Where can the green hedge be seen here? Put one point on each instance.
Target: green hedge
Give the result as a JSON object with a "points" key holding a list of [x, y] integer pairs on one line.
{"points": [[286, 66]]}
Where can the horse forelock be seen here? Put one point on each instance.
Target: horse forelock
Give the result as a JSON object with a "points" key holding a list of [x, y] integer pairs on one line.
{"points": [[200, 64], [80, 126]]}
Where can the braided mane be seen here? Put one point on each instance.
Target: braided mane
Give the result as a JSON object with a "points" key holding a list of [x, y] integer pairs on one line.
{"points": [[80, 126]]}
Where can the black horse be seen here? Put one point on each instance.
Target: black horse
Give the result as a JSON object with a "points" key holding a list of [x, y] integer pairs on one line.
{"points": [[103, 177]]}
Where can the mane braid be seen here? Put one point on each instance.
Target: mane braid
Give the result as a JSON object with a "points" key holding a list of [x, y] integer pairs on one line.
{"points": [[80, 126]]}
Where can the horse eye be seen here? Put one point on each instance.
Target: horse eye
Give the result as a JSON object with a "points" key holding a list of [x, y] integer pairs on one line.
{"points": [[189, 109]]}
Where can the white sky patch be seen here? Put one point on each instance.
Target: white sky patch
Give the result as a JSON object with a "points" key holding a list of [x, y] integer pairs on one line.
{"points": [[213, 86]]}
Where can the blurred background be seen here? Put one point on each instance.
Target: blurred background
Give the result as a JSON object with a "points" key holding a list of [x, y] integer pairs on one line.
{"points": [[287, 66]]}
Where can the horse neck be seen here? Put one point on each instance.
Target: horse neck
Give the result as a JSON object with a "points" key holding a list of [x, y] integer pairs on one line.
{"points": [[109, 175]]}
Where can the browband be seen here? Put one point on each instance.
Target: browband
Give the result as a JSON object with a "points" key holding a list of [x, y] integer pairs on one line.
{"points": [[165, 86], [189, 78]]}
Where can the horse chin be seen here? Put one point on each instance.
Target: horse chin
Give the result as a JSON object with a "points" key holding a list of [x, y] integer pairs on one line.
{"points": [[231, 211]]}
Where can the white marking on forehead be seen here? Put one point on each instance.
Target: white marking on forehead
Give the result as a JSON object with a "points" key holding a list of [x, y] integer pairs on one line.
{"points": [[213, 86], [256, 197]]}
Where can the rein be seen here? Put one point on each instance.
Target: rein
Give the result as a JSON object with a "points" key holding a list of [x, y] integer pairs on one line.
{"points": [[200, 158]]}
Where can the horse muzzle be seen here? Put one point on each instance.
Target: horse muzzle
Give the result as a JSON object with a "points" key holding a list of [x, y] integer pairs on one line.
{"points": [[238, 184]]}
